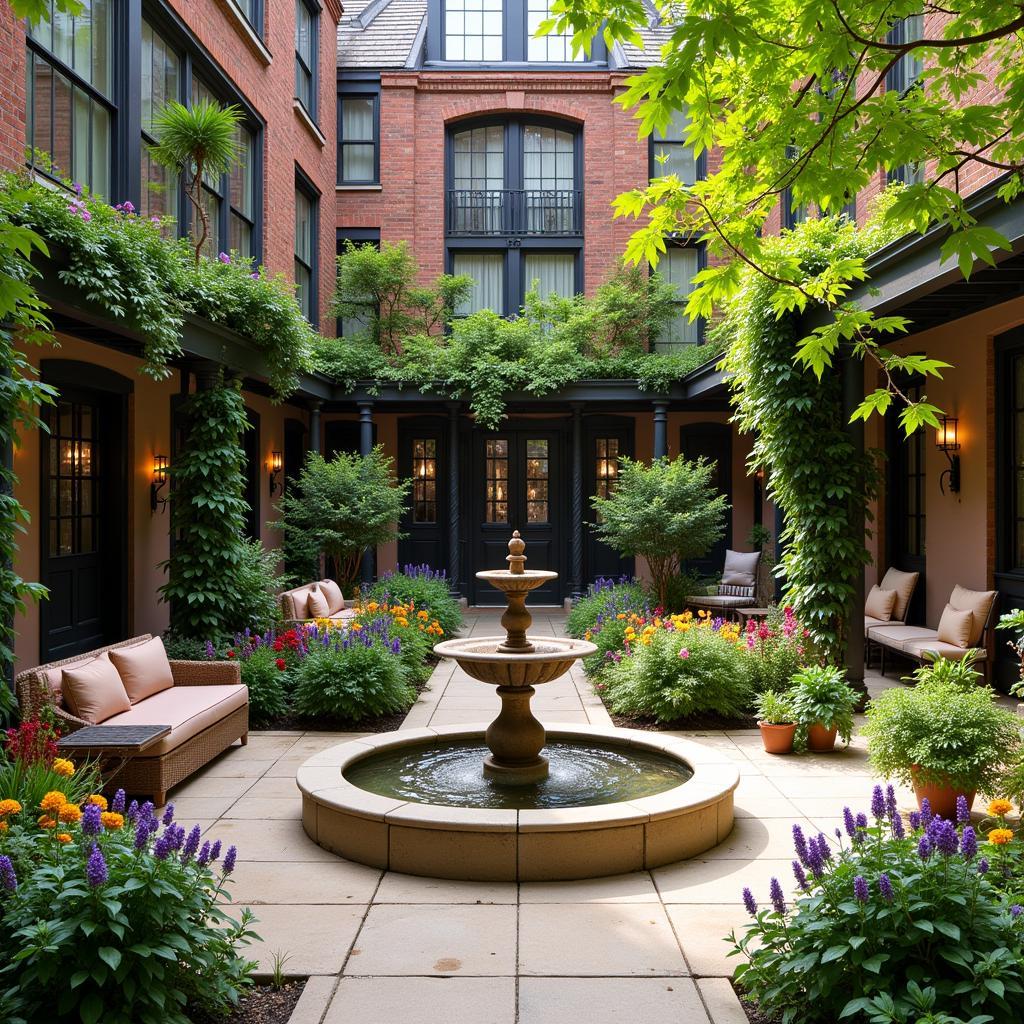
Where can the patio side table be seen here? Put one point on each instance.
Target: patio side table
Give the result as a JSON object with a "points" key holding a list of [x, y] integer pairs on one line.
{"points": [[109, 743], [751, 613]]}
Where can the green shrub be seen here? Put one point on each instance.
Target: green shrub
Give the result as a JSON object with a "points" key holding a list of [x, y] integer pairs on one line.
{"points": [[820, 695], [263, 671], [425, 587], [27, 769], [886, 928], [678, 674], [604, 599], [183, 648], [351, 678], [776, 649], [257, 584], [774, 708]]}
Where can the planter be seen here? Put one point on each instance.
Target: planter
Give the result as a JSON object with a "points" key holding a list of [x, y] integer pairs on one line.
{"points": [[777, 739], [941, 795], [821, 740]]}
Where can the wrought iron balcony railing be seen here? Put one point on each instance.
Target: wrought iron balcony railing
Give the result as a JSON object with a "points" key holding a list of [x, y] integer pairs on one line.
{"points": [[505, 211]]}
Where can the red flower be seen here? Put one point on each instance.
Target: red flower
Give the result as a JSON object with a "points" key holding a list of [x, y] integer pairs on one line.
{"points": [[278, 645], [281, 664], [231, 654]]}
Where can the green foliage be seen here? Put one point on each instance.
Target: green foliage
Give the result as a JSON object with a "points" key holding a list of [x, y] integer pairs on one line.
{"points": [[795, 94], [39, 10], [948, 733], [257, 584], [414, 340], [774, 708], [776, 649], [27, 773], [821, 695], [209, 515], [340, 508], [1015, 621], [882, 935], [815, 475], [146, 943], [268, 694], [183, 648], [666, 512], [603, 600], [679, 674], [958, 671], [426, 589], [350, 680]]}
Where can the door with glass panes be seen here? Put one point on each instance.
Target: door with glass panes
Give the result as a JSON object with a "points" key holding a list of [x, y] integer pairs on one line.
{"points": [[515, 488]]}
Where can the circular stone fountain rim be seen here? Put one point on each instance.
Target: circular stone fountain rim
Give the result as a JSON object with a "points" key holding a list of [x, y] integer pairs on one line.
{"points": [[568, 649], [508, 574]]}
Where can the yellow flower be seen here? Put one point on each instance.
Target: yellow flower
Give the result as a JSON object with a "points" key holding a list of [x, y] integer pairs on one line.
{"points": [[621, 615], [70, 814], [99, 801], [62, 766], [53, 801], [3, 827], [1000, 836], [372, 606], [112, 821], [423, 615], [9, 807], [62, 837], [587, 635], [999, 808], [45, 821]]}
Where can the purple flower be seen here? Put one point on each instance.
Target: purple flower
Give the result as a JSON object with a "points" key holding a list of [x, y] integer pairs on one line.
{"points": [[229, 860], [800, 876], [860, 889], [848, 821], [215, 851], [898, 830], [824, 850], [885, 888], [862, 820], [177, 834], [92, 822], [924, 847], [890, 802], [96, 867], [778, 897], [191, 844], [8, 878], [800, 844], [1016, 910], [133, 811], [164, 846], [969, 843], [255, 276], [128, 206], [146, 810], [926, 812], [943, 837], [749, 902], [815, 861], [223, 257], [78, 188], [117, 804], [142, 834], [983, 866], [915, 820], [204, 855], [168, 814], [963, 811], [877, 803], [211, 651]]}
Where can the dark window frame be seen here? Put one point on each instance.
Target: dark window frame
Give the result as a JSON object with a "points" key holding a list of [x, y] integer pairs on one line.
{"points": [[259, 25], [313, 73], [362, 94], [701, 249], [357, 236], [654, 168], [305, 185], [790, 216], [896, 81]]}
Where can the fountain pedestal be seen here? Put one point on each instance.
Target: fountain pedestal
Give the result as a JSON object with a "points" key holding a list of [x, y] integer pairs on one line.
{"points": [[516, 740]]}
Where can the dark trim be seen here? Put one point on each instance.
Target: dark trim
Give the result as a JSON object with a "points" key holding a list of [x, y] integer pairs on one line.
{"points": [[358, 234], [314, 72], [76, 373], [359, 90], [304, 184]]}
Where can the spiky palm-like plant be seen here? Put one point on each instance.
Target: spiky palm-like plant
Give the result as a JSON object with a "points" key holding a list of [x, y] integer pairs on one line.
{"points": [[198, 140]]}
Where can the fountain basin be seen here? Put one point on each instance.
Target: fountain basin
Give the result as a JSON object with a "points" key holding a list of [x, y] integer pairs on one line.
{"points": [[549, 658], [519, 844]]}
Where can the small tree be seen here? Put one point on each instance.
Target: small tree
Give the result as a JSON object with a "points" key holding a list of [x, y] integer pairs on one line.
{"points": [[666, 512], [341, 508], [199, 141]]}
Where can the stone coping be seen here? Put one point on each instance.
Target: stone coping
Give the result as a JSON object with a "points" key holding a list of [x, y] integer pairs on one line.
{"points": [[518, 845]]}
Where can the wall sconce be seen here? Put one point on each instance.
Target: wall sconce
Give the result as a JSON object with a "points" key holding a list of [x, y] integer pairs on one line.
{"points": [[275, 464], [158, 484], [946, 441]]}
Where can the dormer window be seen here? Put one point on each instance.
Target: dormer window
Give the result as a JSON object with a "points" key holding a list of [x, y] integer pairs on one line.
{"points": [[473, 30], [552, 48]]}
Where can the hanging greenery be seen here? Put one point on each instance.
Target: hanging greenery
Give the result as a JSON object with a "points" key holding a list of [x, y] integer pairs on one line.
{"points": [[801, 436], [209, 515]]}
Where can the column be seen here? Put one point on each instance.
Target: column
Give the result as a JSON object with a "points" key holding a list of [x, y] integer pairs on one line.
{"points": [[6, 490], [660, 430], [454, 501], [315, 443], [208, 374], [365, 447], [576, 515], [852, 370]]}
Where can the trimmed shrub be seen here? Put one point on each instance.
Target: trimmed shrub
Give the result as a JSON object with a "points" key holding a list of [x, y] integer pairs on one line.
{"points": [[264, 671], [604, 599]]}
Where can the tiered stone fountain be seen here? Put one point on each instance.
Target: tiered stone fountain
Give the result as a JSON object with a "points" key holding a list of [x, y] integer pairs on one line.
{"points": [[485, 803]]}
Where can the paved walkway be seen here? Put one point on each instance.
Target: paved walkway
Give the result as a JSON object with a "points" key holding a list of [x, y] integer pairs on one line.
{"points": [[383, 948]]}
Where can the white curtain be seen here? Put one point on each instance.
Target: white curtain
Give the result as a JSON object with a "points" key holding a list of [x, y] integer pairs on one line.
{"points": [[550, 272], [488, 273], [678, 267]]}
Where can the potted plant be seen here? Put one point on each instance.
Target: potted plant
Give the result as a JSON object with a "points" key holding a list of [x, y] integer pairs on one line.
{"points": [[776, 722], [944, 739], [823, 704]]}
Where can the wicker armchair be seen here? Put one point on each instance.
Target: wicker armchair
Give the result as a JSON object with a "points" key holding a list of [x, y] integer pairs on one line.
{"points": [[151, 775]]}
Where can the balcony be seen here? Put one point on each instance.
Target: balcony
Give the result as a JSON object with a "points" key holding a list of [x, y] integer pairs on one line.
{"points": [[518, 212]]}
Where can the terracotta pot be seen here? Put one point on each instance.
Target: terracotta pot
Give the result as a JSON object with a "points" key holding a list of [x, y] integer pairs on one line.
{"points": [[941, 795], [819, 739], [777, 739]]}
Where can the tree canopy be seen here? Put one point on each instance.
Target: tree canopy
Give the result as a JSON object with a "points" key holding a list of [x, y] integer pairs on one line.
{"points": [[811, 101]]}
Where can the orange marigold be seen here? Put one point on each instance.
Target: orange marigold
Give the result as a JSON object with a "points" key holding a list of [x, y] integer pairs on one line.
{"points": [[62, 766], [45, 821], [70, 814], [3, 827], [1000, 836], [53, 801], [9, 807], [112, 821], [999, 808], [63, 837], [99, 801]]}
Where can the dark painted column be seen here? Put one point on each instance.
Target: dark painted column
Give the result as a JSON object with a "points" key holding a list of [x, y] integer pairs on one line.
{"points": [[576, 515], [315, 443], [454, 502], [660, 430], [853, 392], [365, 447], [6, 489], [208, 374]]}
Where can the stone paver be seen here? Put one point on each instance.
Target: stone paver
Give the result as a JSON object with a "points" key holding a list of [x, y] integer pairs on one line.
{"points": [[383, 947]]}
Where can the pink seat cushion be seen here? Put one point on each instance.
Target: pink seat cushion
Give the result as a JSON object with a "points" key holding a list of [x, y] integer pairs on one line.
{"points": [[335, 601], [318, 605], [94, 691], [143, 668], [188, 710]]}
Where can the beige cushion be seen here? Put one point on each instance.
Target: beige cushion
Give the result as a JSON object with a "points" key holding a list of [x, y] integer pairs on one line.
{"points": [[335, 601], [919, 648], [188, 710], [343, 614], [94, 691], [294, 603], [896, 636], [955, 627], [903, 583], [870, 623], [741, 568], [143, 668], [317, 603], [978, 603], [880, 603], [719, 601]]}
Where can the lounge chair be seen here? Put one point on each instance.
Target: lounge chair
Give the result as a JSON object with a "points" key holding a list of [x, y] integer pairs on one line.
{"points": [[738, 587]]}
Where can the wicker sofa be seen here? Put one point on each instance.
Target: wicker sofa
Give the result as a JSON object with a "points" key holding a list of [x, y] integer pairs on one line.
{"points": [[295, 603], [207, 708]]}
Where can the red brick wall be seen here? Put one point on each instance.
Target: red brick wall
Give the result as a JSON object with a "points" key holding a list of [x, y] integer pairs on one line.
{"points": [[416, 107], [12, 90]]}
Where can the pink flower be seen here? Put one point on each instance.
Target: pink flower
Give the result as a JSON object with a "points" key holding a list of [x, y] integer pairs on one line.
{"points": [[224, 257], [684, 653]]}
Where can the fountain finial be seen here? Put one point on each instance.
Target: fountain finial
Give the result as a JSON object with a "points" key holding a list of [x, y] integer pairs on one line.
{"points": [[516, 559]]}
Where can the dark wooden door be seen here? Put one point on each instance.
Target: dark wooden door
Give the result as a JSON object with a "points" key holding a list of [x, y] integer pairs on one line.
{"points": [[606, 440], [423, 459], [83, 537], [712, 441], [518, 485]]}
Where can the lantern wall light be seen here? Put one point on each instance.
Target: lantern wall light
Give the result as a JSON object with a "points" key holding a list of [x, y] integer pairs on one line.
{"points": [[275, 465], [160, 470], [948, 442]]}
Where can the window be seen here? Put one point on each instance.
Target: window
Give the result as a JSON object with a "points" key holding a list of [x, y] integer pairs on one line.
{"points": [[678, 267], [424, 480], [306, 204], [69, 79], [354, 325], [473, 30], [496, 476], [161, 84], [537, 465], [671, 153], [1016, 445], [903, 77], [552, 48], [549, 178], [478, 180], [73, 478], [212, 192], [550, 272], [913, 482], [606, 466], [790, 215], [252, 11], [488, 272], [306, 47], [241, 215], [358, 159]]}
